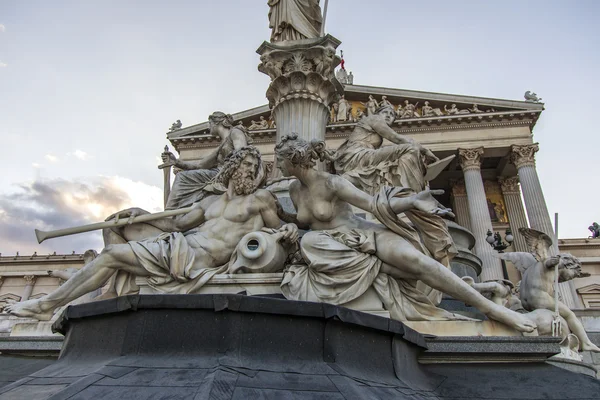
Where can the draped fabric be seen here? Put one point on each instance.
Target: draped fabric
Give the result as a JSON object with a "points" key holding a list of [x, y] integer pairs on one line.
{"points": [[294, 19], [188, 187], [342, 264], [172, 263]]}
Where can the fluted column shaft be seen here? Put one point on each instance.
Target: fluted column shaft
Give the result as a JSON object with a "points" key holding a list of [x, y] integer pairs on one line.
{"points": [[304, 116], [460, 204], [470, 161], [537, 211], [29, 283], [514, 208]]}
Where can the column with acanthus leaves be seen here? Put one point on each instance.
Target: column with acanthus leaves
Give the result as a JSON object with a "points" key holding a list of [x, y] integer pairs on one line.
{"points": [[303, 85], [470, 162]]}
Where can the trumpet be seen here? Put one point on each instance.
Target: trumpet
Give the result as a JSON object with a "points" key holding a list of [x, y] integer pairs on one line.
{"points": [[43, 235]]}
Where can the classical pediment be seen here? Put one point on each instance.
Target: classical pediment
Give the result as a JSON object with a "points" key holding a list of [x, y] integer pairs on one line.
{"points": [[416, 110], [590, 289], [5, 298]]}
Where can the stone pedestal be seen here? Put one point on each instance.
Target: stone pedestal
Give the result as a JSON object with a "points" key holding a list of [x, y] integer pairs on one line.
{"points": [[539, 219], [303, 84], [470, 161]]}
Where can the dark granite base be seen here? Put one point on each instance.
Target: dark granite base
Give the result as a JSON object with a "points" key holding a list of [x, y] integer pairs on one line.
{"points": [[241, 347]]}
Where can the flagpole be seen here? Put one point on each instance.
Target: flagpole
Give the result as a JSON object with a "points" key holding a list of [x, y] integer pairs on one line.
{"points": [[324, 17]]}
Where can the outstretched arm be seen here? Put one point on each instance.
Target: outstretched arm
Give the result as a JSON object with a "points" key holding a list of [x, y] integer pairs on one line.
{"points": [[238, 138], [190, 220], [207, 162], [386, 132], [422, 201], [268, 211]]}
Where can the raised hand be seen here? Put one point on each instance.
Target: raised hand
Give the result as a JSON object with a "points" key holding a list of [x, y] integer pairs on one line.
{"points": [[130, 213], [168, 158], [291, 232], [425, 202]]}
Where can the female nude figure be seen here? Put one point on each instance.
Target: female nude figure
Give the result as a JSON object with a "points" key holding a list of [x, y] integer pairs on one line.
{"points": [[347, 254]]}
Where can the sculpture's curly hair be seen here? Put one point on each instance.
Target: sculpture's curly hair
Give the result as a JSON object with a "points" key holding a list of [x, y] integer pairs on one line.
{"points": [[219, 117], [302, 153], [385, 107], [233, 161]]}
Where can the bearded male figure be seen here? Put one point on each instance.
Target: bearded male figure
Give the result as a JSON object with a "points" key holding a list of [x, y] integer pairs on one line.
{"points": [[176, 262]]}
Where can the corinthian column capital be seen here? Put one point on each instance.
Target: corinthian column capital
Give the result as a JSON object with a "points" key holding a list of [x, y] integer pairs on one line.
{"points": [[523, 155], [29, 279], [470, 158], [509, 185]]}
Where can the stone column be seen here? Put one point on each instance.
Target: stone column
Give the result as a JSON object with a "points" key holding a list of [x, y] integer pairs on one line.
{"points": [[470, 162], [29, 283], [537, 212], [460, 204], [514, 208], [303, 85]]}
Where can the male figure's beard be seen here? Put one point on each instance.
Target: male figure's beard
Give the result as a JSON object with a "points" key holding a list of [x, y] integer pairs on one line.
{"points": [[243, 183]]}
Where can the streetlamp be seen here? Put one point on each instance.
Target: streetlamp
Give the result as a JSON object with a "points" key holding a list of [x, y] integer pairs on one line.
{"points": [[495, 240]]}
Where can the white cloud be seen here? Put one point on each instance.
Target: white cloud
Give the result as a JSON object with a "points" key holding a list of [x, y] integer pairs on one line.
{"points": [[2, 28], [3, 64], [51, 158], [82, 155], [35, 165], [49, 204]]}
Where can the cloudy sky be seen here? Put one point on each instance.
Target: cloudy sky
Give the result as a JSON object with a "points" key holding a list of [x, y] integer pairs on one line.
{"points": [[89, 88]]}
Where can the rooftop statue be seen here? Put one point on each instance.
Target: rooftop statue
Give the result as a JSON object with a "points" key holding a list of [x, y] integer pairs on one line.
{"points": [[262, 123], [175, 126], [190, 251], [294, 19], [538, 275], [595, 229], [346, 254], [371, 105], [532, 97], [428, 111]]}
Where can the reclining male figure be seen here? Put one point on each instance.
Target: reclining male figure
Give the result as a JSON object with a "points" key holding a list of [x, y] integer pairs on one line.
{"points": [[177, 260]]}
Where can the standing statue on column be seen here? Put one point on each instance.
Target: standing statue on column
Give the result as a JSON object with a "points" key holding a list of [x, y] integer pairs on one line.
{"points": [[294, 19]]}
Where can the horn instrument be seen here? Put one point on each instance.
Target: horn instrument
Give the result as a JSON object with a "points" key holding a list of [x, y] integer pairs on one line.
{"points": [[43, 235]]}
